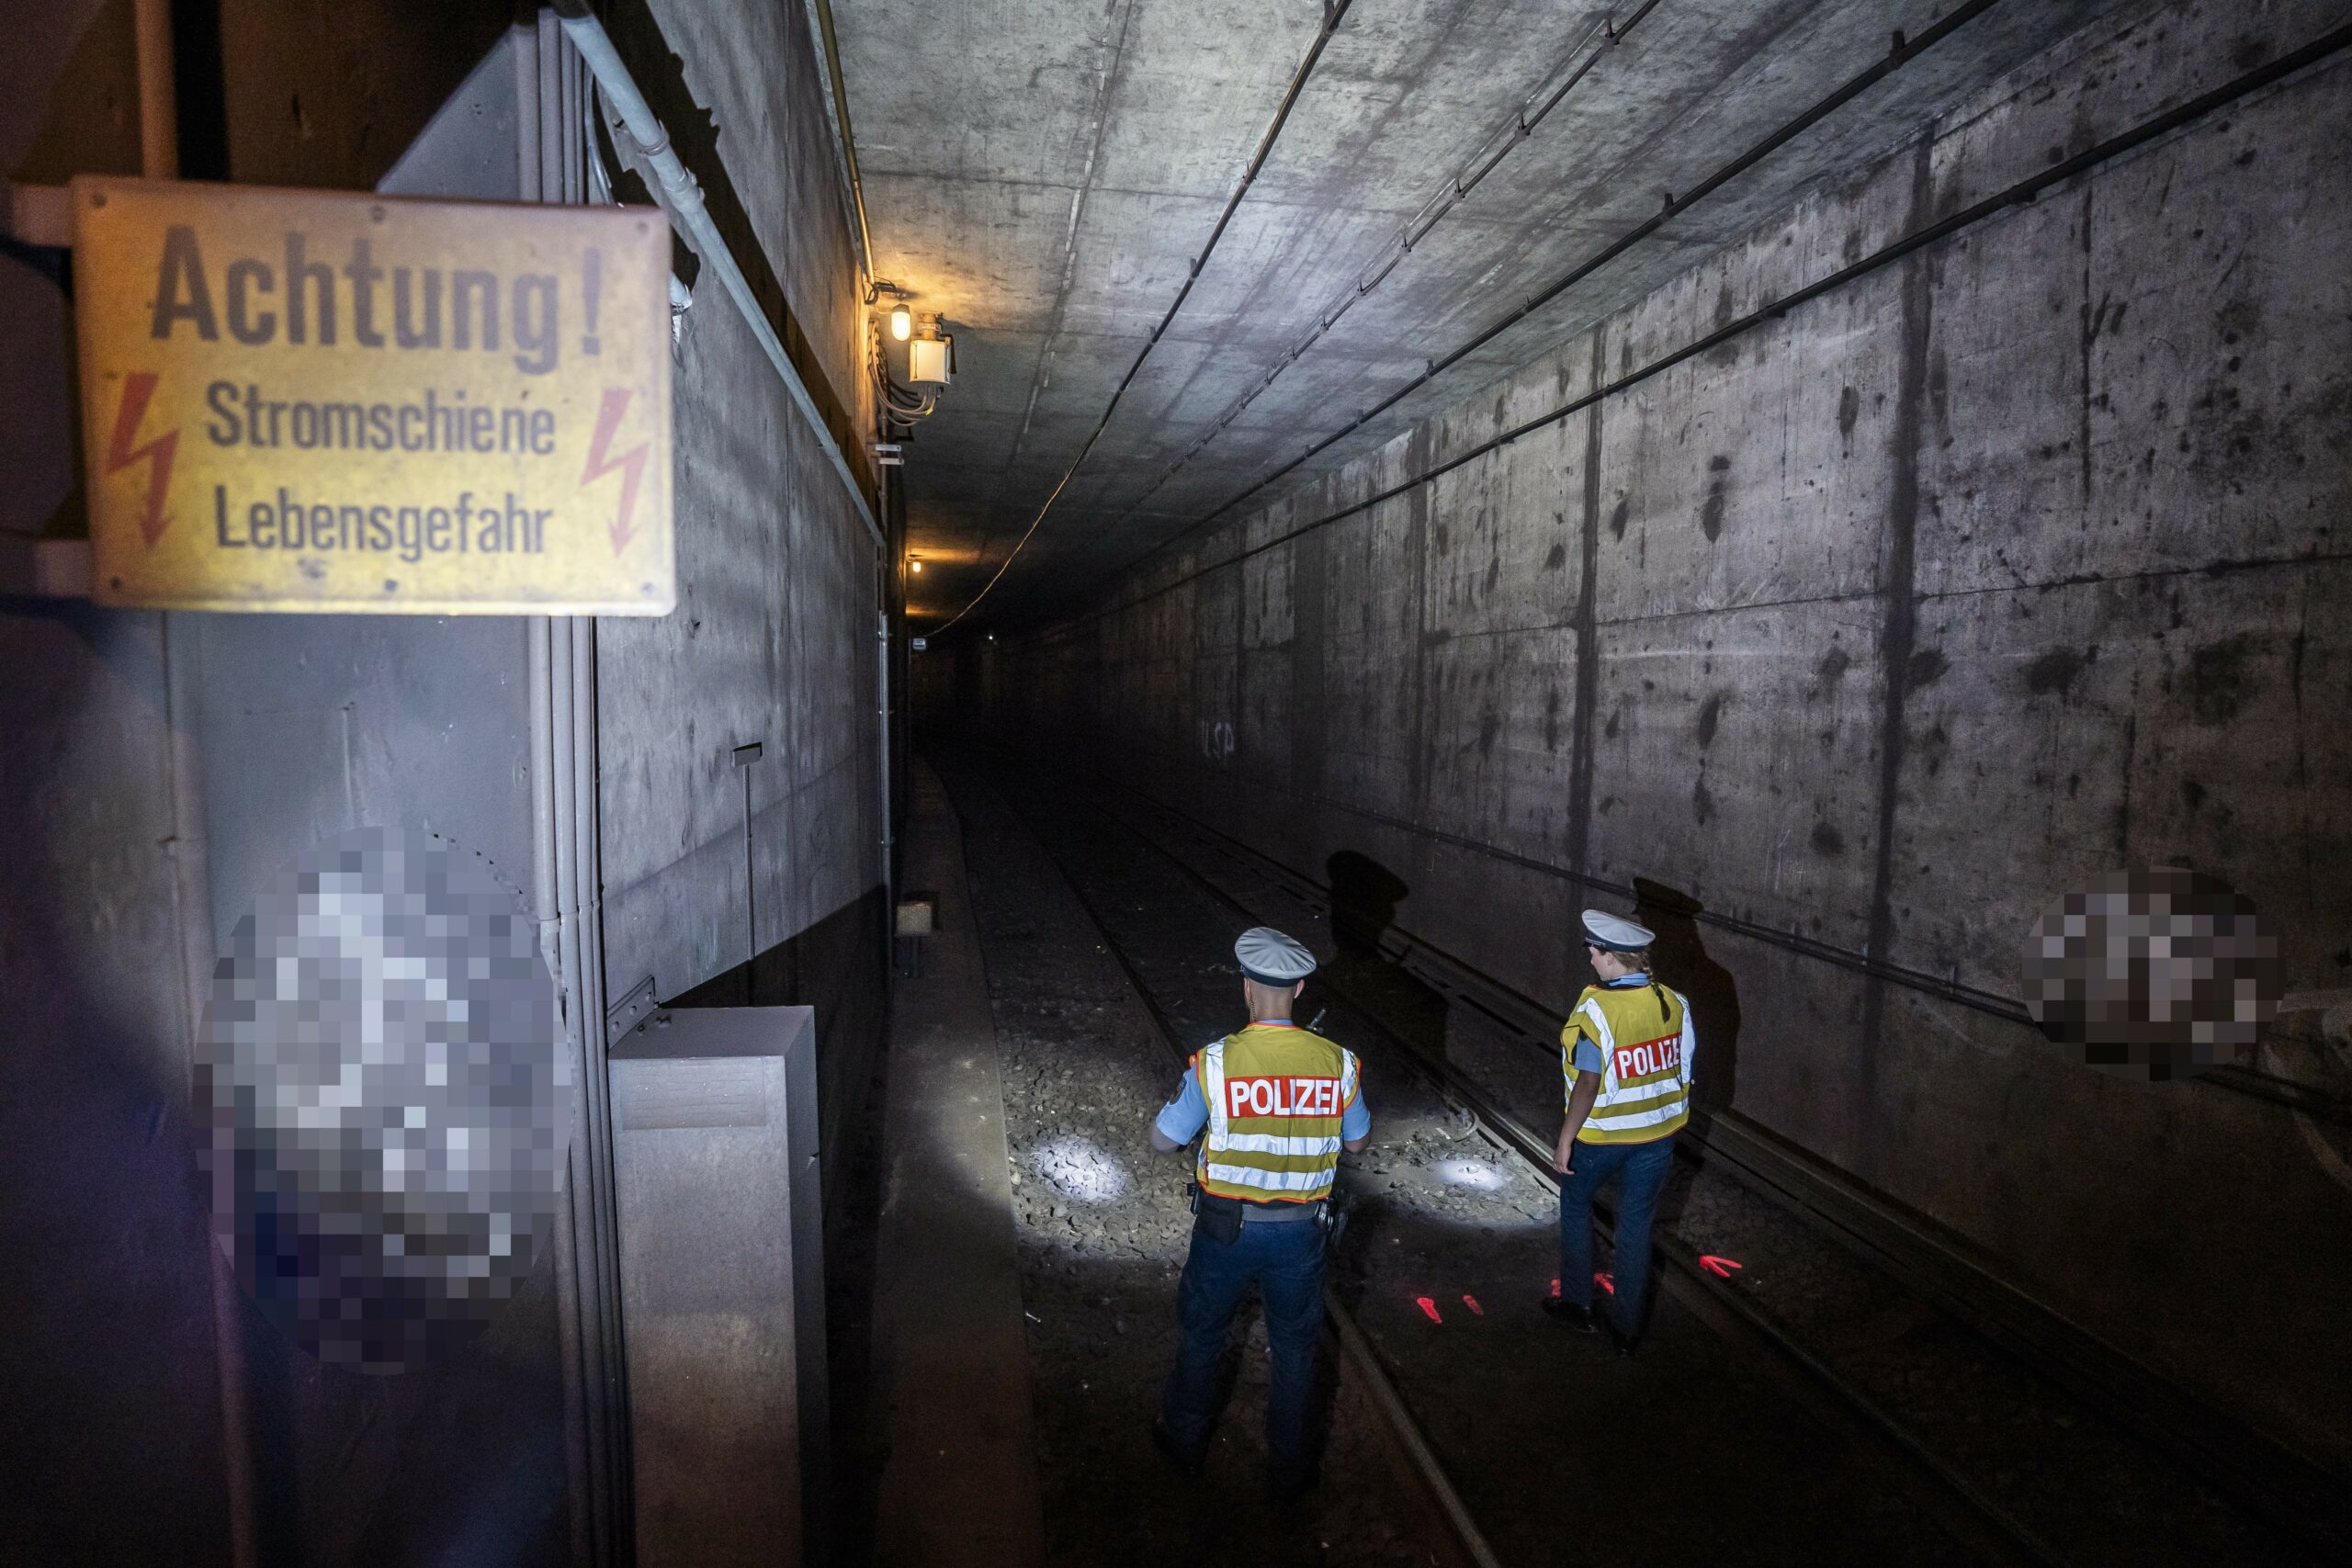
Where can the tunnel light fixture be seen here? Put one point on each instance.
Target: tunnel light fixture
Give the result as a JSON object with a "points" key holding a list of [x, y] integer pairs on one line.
{"points": [[901, 317], [914, 564]]}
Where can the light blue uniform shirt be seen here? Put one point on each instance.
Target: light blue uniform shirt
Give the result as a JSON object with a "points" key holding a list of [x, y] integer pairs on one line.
{"points": [[1182, 1118]]}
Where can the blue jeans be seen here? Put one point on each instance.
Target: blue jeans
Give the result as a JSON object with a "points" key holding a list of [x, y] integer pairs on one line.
{"points": [[1285, 1261], [1641, 1169]]}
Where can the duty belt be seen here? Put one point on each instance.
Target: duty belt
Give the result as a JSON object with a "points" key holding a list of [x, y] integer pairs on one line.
{"points": [[1279, 1214]]}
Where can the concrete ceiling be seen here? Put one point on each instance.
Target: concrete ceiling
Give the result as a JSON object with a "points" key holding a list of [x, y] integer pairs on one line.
{"points": [[1042, 173]]}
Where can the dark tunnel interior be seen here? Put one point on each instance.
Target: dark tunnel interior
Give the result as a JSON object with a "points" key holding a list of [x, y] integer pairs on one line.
{"points": [[1159, 781]]}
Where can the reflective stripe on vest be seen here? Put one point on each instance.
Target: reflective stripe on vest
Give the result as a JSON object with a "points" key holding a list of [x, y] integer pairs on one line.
{"points": [[1644, 1061], [1276, 1095]]}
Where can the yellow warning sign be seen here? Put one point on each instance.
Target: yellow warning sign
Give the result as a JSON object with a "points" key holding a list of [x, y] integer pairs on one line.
{"points": [[326, 401]]}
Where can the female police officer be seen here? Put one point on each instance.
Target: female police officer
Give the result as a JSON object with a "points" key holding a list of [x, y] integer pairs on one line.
{"points": [[1625, 1052]]}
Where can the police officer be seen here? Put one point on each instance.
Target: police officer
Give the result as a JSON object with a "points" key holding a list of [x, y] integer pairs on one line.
{"points": [[1625, 1052], [1278, 1105]]}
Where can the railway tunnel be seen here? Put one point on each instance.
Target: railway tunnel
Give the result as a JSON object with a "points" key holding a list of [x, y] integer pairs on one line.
{"points": [[656, 651]]}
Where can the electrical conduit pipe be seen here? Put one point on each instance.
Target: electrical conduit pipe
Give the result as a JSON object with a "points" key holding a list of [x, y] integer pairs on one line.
{"points": [[682, 198]]}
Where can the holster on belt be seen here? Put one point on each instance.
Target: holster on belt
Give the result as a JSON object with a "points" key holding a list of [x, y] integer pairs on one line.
{"points": [[1219, 1219], [1335, 1217]]}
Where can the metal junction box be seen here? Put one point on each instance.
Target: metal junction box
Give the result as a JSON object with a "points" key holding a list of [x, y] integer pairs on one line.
{"points": [[722, 1284]]}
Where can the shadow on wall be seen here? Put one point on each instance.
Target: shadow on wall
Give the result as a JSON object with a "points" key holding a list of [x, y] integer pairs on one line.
{"points": [[834, 965], [1683, 962], [1365, 897]]}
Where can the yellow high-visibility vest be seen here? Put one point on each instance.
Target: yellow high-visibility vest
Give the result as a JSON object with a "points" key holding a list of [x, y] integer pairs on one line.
{"points": [[1644, 1033], [1276, 1095]]}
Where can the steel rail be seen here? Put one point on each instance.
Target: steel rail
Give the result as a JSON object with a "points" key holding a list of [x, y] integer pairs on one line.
{"points": [[1406, 1431], [2267, 1480], [2264, 1478], [2000, 1531]]}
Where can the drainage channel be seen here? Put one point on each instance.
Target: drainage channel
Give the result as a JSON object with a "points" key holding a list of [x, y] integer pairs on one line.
{"points": [[1981, 1421]]}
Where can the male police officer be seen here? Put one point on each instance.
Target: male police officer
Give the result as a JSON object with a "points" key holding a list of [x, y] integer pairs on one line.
{"points": [[1279, 1104], [1626, 1055]]}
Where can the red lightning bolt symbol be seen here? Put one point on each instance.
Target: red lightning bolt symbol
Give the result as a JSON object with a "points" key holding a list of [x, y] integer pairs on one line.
{"points": [[137, 388], [630, 463]]}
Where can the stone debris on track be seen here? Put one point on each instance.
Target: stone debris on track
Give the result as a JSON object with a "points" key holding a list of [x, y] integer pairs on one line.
{"points": [[1452, 1246], [2016, 1436], [1102, 1231]]}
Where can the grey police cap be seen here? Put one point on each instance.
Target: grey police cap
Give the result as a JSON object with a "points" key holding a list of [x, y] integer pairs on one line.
{"points": [[1273, 959], [1615, 932]]}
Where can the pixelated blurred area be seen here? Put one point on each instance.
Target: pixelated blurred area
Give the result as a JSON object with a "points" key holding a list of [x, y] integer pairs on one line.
{"points": [[387, 1102], [2153, 973]]}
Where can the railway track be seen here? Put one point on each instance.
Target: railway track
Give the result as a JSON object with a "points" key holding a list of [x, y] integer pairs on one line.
{"points": [[1973, 1510], [2260, 1478], [1464, 1543]]}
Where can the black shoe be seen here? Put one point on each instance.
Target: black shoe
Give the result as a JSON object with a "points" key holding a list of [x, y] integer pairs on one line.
{"points": [[1162, 1440], [1624, 1344], [1569, 1316]]}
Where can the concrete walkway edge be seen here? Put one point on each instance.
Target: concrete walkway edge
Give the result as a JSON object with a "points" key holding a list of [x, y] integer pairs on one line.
{"points": [[951, 1355]]}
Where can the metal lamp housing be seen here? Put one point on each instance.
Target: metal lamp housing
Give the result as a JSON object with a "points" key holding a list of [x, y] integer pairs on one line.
{"points": [[931, 361]]}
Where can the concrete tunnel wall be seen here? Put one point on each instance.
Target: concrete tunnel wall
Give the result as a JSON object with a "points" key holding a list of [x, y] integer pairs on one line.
{"points": [[1884, 623], [774, 639], [111, 1437]]}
